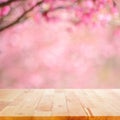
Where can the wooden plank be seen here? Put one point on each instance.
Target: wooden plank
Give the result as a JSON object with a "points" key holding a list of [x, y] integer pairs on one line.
{"points": [[60, 104], [99, 107], [44, 107], [86, 103], [111, 105], [9, 95], [73, 104], [28, 105], [24, 105]]}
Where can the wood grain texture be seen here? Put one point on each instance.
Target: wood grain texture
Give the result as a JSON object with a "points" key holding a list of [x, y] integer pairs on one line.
{"points": [[59, 104]]}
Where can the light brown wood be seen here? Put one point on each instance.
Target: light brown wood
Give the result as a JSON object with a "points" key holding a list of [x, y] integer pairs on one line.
{"points": [[59, 104]]}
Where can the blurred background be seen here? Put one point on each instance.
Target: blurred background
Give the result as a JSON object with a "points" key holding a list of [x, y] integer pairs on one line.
{"points": [[39, 53]]}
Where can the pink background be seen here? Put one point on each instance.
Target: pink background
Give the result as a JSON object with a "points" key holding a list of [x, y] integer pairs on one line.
{"points": [[40, 54]]}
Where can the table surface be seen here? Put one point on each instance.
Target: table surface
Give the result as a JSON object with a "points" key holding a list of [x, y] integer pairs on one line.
{"points": [[55, 104]]}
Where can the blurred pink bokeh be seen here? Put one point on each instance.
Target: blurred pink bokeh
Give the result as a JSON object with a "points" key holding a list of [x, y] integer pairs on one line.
{"points": [[42, 54]]}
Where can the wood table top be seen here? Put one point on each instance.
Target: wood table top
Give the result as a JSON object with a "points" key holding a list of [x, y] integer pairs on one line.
{"points": [[59, 104]]}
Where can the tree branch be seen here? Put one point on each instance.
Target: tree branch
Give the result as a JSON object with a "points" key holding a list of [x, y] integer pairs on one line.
{"points": [[3, 4], [20, 17]]}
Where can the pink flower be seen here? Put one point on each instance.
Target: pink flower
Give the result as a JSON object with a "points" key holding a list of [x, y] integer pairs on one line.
{"points": [[5, 10], [89, 4]]}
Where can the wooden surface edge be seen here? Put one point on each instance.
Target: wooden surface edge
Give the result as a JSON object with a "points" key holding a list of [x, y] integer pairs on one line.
{"points": [[60, 118]]}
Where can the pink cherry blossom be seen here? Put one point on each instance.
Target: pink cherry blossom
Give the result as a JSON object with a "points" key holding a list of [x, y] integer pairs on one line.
{"points": [[60, 44], [5, 10]]}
